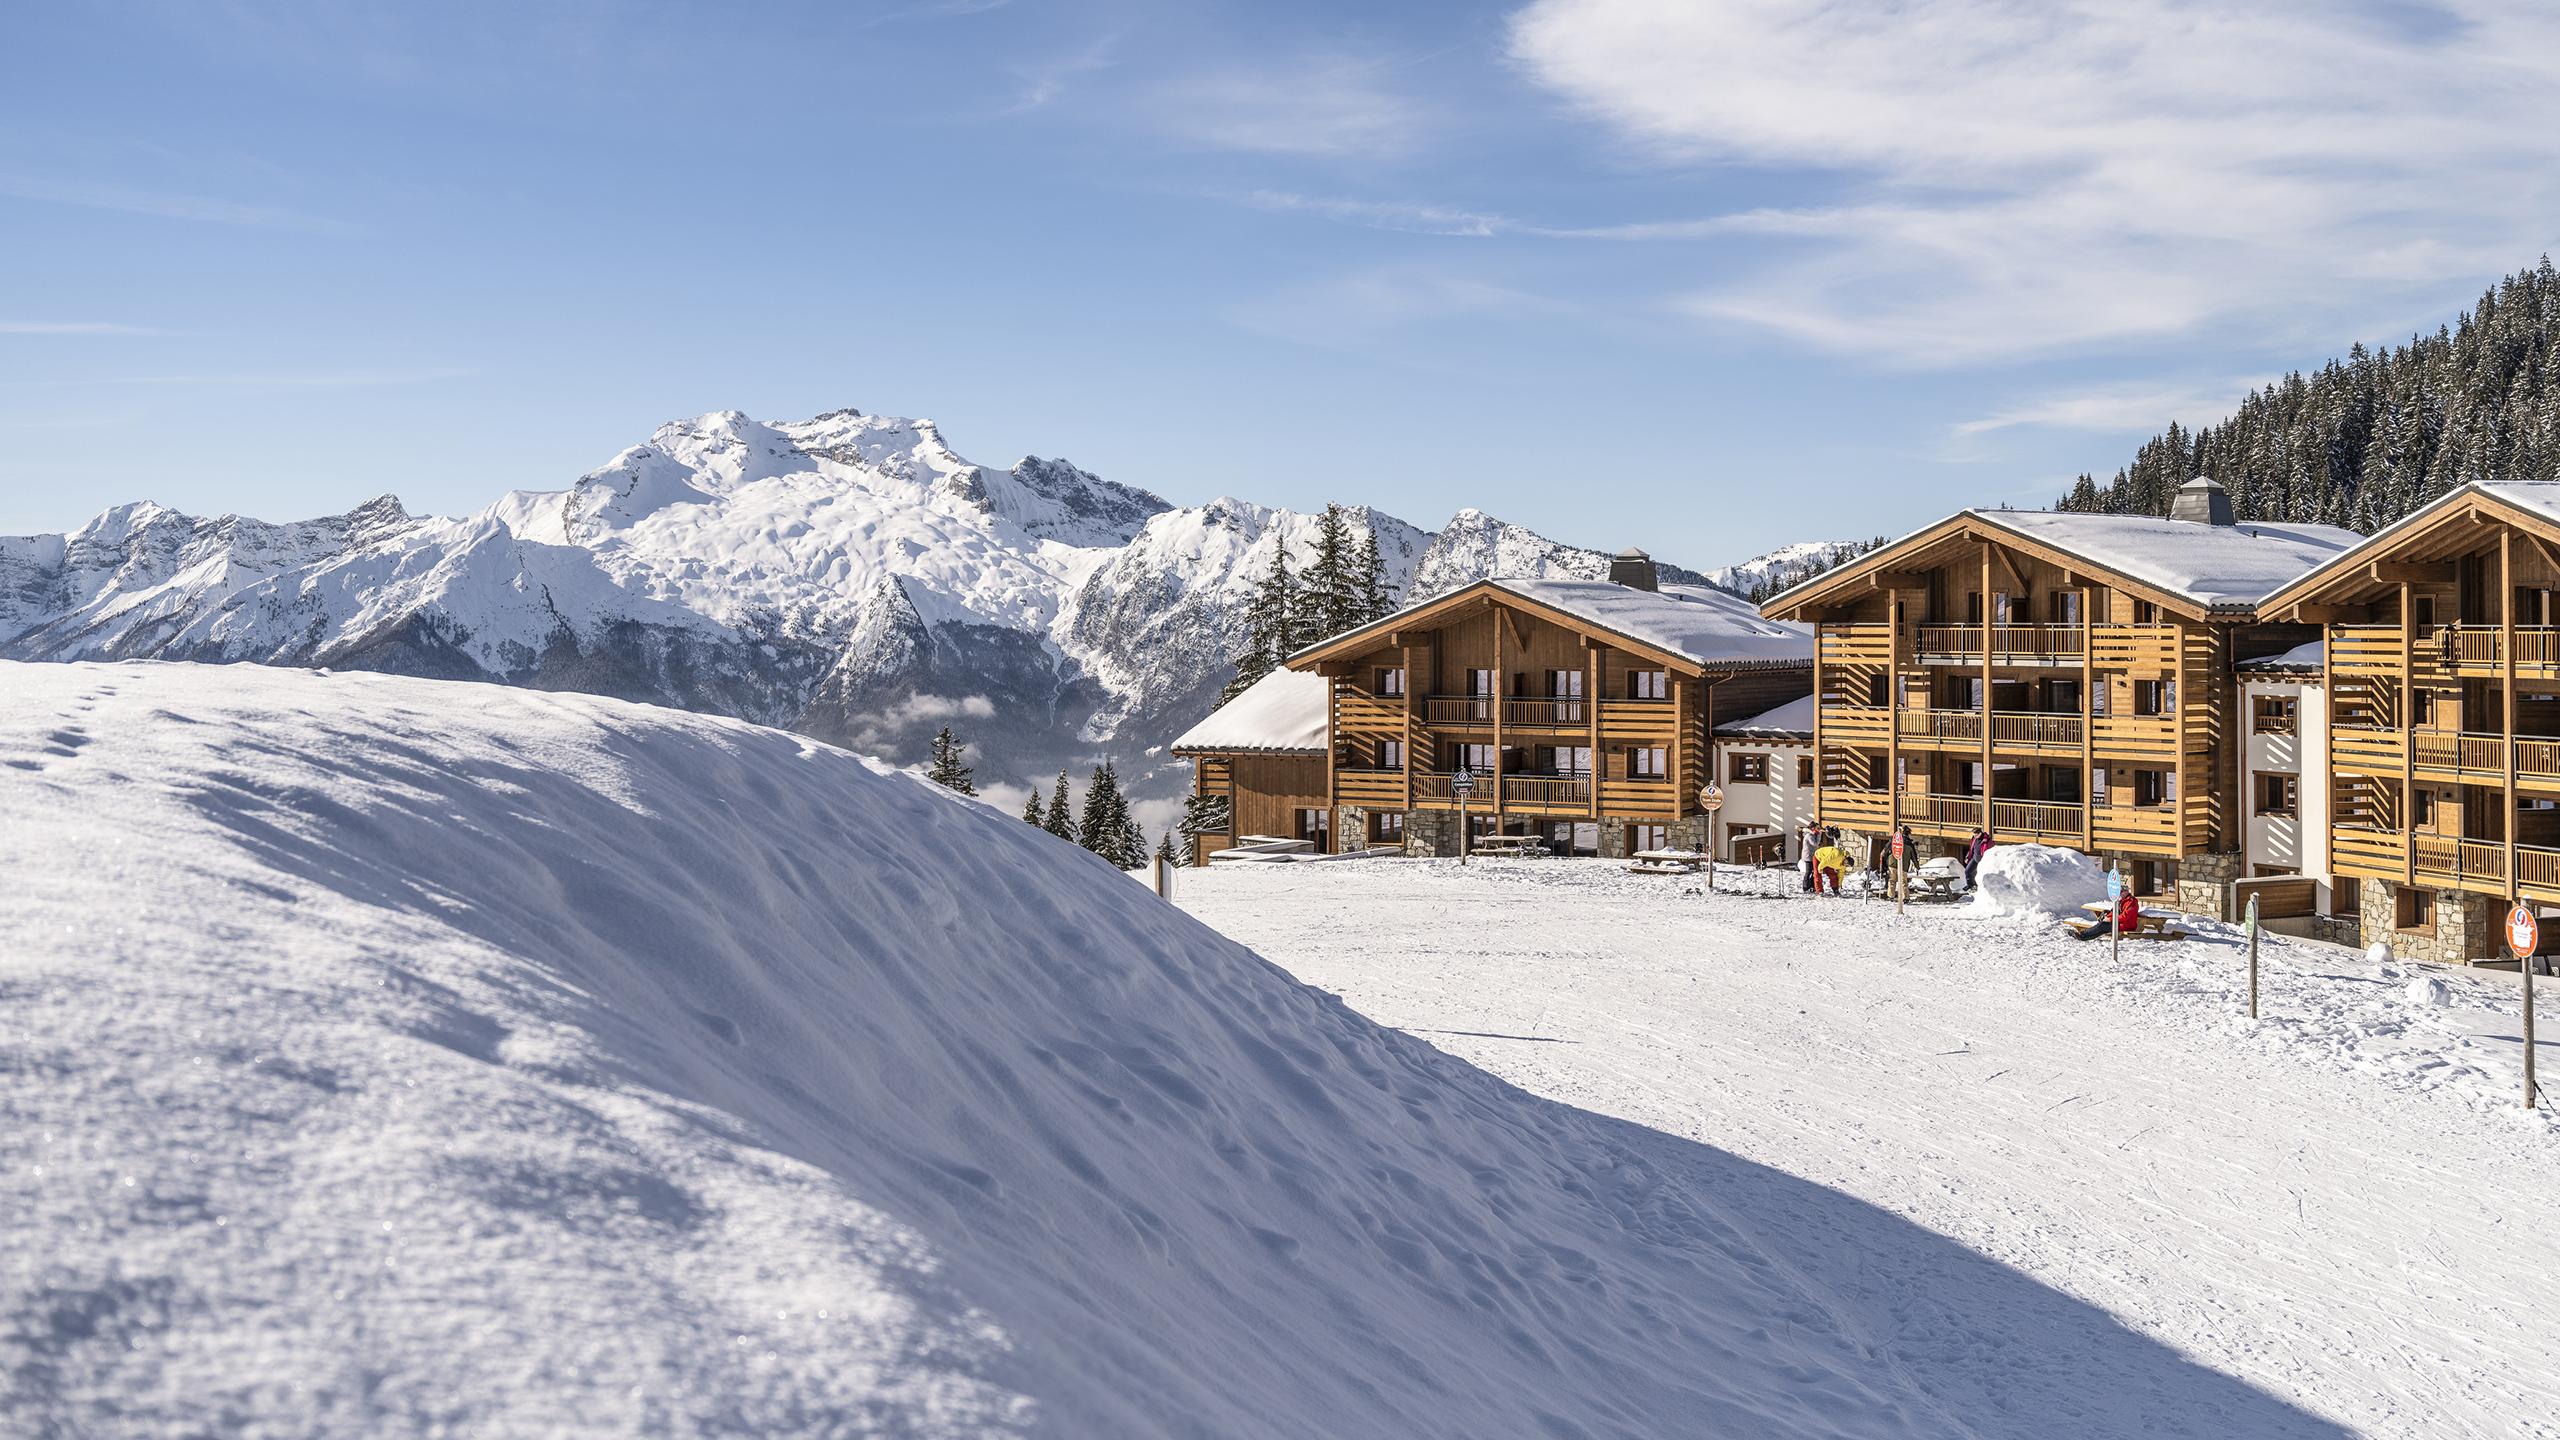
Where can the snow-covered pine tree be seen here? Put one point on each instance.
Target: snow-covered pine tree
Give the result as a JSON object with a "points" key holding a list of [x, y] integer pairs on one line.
{"points": [[1131, 853], [1061, 819], [1170, 853], [1371, 567], [1106, 825], [1268, 619], [1033, 812], [1205, 815], [1331, 587], [946, 770]]}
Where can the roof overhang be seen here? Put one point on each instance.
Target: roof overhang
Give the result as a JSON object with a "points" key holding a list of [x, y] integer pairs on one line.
{"points": [[1441, 608], [2435, 530], [1890, 567]]}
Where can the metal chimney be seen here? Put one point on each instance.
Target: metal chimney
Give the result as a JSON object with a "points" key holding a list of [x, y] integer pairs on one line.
{"points": [[2202, 501], [1633, 568]]}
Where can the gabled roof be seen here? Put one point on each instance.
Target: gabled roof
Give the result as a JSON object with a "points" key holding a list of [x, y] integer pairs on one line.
{"points": [[1791, 721], [1692, 627], [1283, 713], [2535, 503], [2196, 568]]}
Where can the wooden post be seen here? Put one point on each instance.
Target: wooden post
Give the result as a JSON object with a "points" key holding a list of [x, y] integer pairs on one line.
{"points": [[1680, 786], [1501, 702], [2253, 953], [1821, 772], [1591, 697], [2088, 724], [2408, 737], [1411, 681], [1333, 753], [2524, 973], [1986, 690], [1892, 714], [1164, 879], [2507, 701]]}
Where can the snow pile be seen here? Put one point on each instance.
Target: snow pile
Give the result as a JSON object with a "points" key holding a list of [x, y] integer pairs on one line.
{"points": [[393, 1056], [2035, 882], [2426, 992]]}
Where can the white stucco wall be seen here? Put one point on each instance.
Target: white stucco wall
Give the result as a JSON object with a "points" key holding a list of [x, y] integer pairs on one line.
{"points": [[2302, 842], [1781, 805]]}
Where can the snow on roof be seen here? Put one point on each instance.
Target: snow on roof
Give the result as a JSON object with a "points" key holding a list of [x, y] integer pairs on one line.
{"points": [[2300, 657], [1283, 713], [2542, 497], [1793, 718], [1709, 627], [2219, 566]]}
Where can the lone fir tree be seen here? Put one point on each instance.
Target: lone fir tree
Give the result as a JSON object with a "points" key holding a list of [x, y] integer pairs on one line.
{"points": [[1033, 812], [1333, 591], [1371, 568], [1170, 853], [946, 769], [1061, 820]]}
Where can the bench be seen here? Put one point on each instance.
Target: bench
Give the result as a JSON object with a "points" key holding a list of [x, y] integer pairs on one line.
{"points": [[1665, 862], [1508, 845], [2155, 924]]}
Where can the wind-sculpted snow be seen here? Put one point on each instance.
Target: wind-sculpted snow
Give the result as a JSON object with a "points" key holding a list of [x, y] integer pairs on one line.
{"points": [[392, 1057], [850, 575]]}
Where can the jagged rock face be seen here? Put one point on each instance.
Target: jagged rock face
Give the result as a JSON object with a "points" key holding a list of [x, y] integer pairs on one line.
{"points": [[848, 575]]}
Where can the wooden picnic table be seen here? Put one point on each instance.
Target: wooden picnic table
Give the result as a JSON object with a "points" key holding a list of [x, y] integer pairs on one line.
{"points": [[1666, 862], [1509, 845], [2155, 921]]}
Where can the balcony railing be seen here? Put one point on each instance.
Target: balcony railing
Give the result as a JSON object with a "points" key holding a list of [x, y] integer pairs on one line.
{"points": [[2009, 642], [1433, 787], [1548, 713], [2477, 758], [1459, 709], [2015, 728], [1547, 792], [2475, 648]]}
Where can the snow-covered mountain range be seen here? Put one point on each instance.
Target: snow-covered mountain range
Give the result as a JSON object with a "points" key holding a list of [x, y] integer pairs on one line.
{"points": [[850, 576]]}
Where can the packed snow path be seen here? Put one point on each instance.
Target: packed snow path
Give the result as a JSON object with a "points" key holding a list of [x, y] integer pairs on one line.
{"points": [[392, 1057], [2343, 1203]]}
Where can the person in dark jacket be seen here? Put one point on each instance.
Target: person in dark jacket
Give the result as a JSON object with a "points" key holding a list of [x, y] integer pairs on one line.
{"points": [[1974, 850]]}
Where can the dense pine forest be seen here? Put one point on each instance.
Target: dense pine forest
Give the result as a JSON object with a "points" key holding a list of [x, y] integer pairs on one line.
{"points": [[2367, 439]]}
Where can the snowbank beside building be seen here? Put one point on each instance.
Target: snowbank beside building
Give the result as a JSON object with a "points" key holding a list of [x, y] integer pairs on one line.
{"points": [[2035, 882], [402, 1057]]}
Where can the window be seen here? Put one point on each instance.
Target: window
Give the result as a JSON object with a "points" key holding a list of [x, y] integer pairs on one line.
{"points": [[2424, 607], [1649, 684], [2422, 709], [1804, 771], [1875, 772], [1565, 760], [2150, 697], [2151, 787], [1748, 770], [2062, 785], [2276, 794], [1390, 754], [2344, 897], [2061, 697], [1386, 827], [2422, 808], [1648, 837], [1879, 691], [1649, 762], [2145, 613], [1479, 758], [2098, 698], [1479, 682], [2272, 715], [1315, 825], [2065, 607], [1391, 680], [2414, 909], [1973, 607]]}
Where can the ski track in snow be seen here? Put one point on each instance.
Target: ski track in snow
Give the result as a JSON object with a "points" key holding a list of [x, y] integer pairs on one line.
{"points": [[2336, 1202]]}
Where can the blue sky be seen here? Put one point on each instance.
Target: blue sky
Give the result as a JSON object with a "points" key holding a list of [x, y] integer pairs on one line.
{"points": [[1709, 276]]}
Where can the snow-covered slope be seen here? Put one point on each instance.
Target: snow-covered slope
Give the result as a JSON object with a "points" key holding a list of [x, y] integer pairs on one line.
{"points": [[849, 575], [1778, 568], [394, 1057]]}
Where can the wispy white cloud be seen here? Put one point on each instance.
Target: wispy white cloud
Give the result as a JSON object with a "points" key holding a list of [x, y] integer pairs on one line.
{"points": [[2131, 407], [1419, 219], [1043, 81], [267, 380], [1304, 107], [2019, 178], [164, 204]]}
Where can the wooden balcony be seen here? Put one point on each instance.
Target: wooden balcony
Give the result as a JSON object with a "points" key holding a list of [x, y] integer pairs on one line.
{"points": [[1856, 725], [2145, 829], [1364, 713], [2134, 647], [1856, 809], [1557, 713], [2037, 820], [2478, 652], [1631, 719], [2364, 649], [1378, 788], [1432, 791], [2468, 759], [2134, 737], [2108, 647], [1546, 794], [1639, 797], [1459, 711], [1855, 644], [2447, 862], [2010, 730]]}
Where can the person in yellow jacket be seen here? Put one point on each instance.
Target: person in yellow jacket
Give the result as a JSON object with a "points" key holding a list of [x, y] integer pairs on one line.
{"points": [[1830, 863]]}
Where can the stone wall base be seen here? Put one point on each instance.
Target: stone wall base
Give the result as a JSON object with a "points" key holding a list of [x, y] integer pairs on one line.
{"points": [[2204, 883], [1431, 833], [2466, 928], [1350, 829]]}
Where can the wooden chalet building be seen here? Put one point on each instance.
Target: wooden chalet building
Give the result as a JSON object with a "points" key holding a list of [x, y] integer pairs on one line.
{"points": [[1264, 754], [1581, 708], [2441, 685], [2059, 678]]}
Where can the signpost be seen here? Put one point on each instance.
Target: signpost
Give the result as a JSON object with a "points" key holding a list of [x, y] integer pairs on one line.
{"points": [[1711, 800], [2115, 932], [1901, 874], [2524, 936], [1462, 784], [2251, 925]]}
